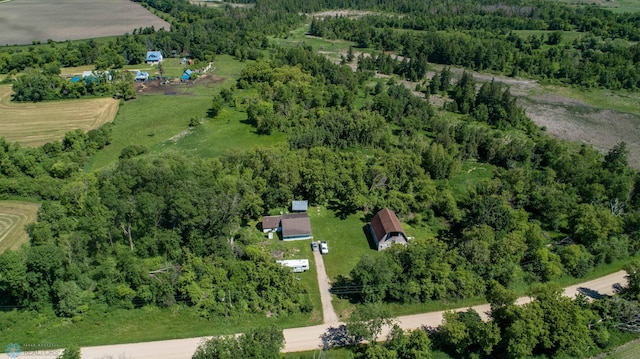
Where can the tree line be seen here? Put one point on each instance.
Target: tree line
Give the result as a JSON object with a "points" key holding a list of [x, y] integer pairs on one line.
{"points": [[599, 58]]}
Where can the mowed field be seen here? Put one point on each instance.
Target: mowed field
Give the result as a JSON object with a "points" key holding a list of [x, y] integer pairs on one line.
{"points": [[25, 21], [14, 215], [34, 124]]}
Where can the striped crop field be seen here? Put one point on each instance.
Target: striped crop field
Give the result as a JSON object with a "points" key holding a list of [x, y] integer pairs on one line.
{"points": [[34, 124], [14, 215], [26, 21]]}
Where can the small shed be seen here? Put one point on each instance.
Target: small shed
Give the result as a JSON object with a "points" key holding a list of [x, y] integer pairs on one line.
{"points": [[154, 57], [142, 76], [298, 265], [386, 230], [187, 74], [270, 224], [299, 206]]}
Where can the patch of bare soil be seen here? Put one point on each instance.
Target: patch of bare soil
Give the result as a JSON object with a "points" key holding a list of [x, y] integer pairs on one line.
{"points": [[343, 13], [176, 86], [209, 80], [157, 86], [575, 121]]}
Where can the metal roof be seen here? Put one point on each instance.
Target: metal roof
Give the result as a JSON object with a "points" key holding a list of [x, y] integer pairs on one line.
{"points": [[299, 206], [154, 55]]}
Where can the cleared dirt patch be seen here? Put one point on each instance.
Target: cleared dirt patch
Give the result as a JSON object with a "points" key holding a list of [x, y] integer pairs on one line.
{"points": [[25, 21], [577, 121], [343, 13], [14, 215], [34, 124], [175, 86]]}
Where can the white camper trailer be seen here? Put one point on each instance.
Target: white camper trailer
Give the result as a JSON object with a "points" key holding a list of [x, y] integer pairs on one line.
{"points": [[298, 265]]}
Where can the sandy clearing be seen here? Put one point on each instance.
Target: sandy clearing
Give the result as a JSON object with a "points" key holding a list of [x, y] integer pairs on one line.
{"points": [[33, 124]]}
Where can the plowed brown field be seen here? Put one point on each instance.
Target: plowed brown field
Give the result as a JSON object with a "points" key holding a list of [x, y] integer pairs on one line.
{"points": [[25, 21]]}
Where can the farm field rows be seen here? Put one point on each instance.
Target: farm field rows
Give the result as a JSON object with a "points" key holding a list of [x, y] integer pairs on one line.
{"points": [[25, 21], [14, 215], [34, 124]]}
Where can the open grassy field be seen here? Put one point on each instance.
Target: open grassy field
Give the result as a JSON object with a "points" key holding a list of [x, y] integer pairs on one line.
{"points": [[25, 21], [102, 326], [33, 124], [567, 36], [330, 48], [613, 5], [14, 215], [630, 350], [159, 120]]}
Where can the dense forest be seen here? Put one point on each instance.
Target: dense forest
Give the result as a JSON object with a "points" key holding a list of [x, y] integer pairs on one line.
{"points": [[161, 231]]}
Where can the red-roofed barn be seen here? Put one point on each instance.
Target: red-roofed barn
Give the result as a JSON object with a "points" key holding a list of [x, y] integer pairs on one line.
{"points": [[386, 229]]}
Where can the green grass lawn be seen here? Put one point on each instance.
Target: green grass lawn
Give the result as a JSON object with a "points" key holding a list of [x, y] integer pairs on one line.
{"points": [[567, 36], [469, 175], [127, 326], [347, 243], [226, 132], [346, 239], [330, 48]]}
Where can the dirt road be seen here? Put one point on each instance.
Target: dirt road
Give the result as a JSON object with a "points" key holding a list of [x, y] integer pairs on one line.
{"points": [[328, 314], [309, 338]]}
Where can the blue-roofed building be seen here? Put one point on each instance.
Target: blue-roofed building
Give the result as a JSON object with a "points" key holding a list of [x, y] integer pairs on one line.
{"points": [[186, 75], [154, 57], [142, 76], [299, 206]]}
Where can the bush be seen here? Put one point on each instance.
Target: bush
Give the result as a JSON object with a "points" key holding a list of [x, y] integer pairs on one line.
{"points": [[132, 151]]}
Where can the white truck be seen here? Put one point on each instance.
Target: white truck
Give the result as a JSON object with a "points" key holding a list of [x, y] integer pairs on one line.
{"points": [[324, 249]]}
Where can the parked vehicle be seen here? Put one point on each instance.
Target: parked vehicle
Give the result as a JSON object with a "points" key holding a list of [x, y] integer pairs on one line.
{"points": [[314, 246], [324, 249]]}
